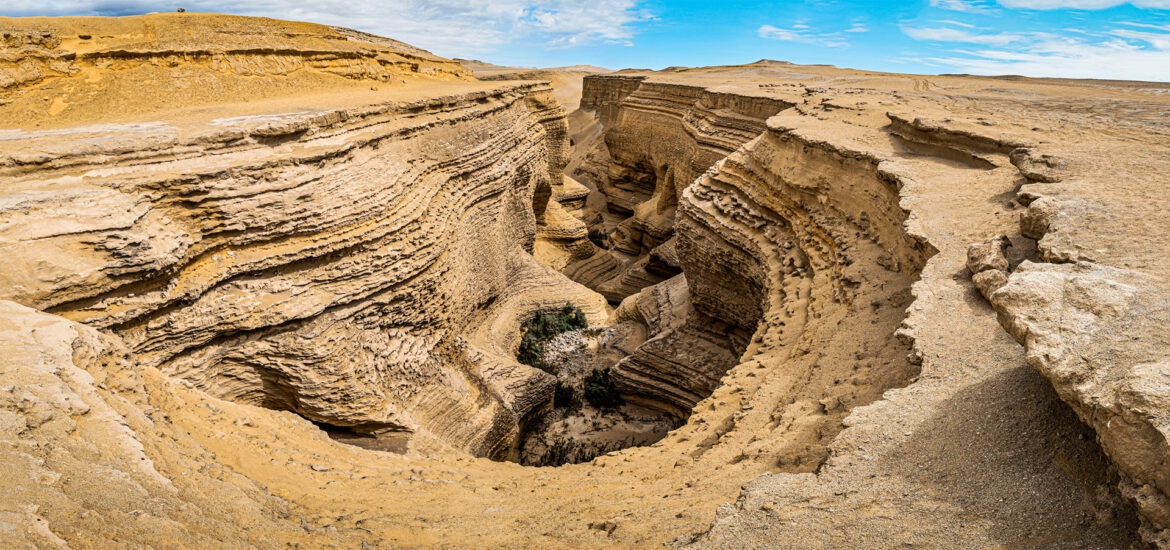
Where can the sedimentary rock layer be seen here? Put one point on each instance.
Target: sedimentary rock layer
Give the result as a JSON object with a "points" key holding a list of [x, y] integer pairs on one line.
{"points": [[768, 241], [1091, 331], [328, 248], [320, 261], [655, 139], [78, 67], [765, 238]]}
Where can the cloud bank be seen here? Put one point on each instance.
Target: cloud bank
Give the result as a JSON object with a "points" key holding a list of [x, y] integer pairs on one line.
{"points": [[1120, 53], [446, 27], [1082, 4], [802, 33]]}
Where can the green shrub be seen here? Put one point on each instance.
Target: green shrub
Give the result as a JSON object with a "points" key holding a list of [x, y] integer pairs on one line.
{"points": [[541, 328], [571, 451], [565, 397], [599, 390], [532, 353]]}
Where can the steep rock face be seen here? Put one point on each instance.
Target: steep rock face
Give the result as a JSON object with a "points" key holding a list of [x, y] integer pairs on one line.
{"points": [[975, 448], [1092, 331], [320, 261], [767, 241], [655, 139], [1091, 309]]}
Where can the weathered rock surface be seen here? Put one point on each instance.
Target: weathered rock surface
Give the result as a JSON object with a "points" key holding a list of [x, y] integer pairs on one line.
{"points": [[988, 263], [1101, 335], [793, 241], [323, 261], [90, 457], [62, 65], [927, 437], [654, 140], [769, 248]]}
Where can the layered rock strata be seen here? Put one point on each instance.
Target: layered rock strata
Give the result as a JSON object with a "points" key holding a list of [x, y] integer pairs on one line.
{"points": [[319, 261], [654, 140], [768, 241], [1085, 329], [63, 66], [385, 236]]}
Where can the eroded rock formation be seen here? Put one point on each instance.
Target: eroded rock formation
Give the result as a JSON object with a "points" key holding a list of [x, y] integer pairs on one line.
{"points": [[356, 248], [654, 140], [1093, 313], [324, 261]]}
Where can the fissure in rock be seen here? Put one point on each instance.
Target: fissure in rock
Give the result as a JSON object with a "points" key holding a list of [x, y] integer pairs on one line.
{"points": [[713, 260]]}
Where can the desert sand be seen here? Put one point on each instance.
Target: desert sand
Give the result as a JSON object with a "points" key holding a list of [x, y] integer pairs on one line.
{"points": [[264, 281]]}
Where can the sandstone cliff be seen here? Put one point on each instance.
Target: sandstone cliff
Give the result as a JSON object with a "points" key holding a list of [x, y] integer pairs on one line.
{"points": [[654, 140], [766, 247], [324, 261], [221, 283]]}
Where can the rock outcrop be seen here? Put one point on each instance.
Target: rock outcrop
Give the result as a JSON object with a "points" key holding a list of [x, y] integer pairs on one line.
{"points": [[91, 456], [654, 140], [303, 234], [1092, 310], [1101, 335], [1093, 333], [324, 261]]}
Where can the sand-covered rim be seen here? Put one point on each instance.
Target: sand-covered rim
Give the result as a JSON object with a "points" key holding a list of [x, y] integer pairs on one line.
{"points": [[977, 449]]}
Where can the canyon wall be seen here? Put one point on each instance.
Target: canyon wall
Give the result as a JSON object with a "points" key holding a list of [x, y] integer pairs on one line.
{"points": [[654, 140], [766, 231], [227, 237], [326, 261]]}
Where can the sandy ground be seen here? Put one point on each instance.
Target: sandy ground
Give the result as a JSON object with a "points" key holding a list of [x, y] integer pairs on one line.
{"points": [[976, 451], [579, 431]]}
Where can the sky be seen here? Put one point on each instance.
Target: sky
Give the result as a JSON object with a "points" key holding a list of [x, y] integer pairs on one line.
{"points": [[1048, 38]]}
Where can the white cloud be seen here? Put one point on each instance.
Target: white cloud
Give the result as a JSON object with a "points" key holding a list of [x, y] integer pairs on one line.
{"points": [[803, 34], [1159, 41], [1082, 4], [969, 6], [447, 27], [1146, 25], [1124, 54], [945, 34], [956, 23], [1113, 61]]}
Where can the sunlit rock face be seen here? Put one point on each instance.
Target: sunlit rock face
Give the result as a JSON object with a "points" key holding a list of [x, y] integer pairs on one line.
{"points": [[756, 226], [324, 261], [229, 243], [654, 140]]}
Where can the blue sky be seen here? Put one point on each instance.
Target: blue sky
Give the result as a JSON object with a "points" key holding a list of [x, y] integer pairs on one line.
{"points": [[1059, 38]]}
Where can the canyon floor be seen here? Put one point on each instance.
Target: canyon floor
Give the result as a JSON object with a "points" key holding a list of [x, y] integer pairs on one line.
{"points": [[223, 234]]}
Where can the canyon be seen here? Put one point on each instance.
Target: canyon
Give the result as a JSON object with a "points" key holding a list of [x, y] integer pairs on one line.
{"points": [[265, 282]]}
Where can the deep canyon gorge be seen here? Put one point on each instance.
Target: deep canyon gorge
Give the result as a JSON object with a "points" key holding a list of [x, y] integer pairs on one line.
{"points": [[265, 283]]}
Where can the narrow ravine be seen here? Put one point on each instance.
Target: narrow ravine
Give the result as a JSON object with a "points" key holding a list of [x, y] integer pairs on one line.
{"points": [[307, 319]]}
